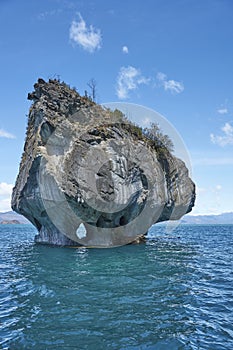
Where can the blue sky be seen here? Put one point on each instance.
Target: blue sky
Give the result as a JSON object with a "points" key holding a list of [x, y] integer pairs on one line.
{"points": [[172, 56]]}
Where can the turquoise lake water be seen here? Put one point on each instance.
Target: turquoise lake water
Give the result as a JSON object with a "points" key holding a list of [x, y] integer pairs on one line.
{"points": [[174, 292]]}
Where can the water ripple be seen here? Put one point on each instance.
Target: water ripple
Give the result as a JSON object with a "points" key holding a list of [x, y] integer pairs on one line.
{"points": [[171, 293]]}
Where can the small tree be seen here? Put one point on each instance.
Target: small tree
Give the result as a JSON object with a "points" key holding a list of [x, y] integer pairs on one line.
{"points": [[154, 133], [92, 85]]}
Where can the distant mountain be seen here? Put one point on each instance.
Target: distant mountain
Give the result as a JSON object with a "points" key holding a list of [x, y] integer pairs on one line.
{"points": [[9, 222], [225, 218], [11, 216]]}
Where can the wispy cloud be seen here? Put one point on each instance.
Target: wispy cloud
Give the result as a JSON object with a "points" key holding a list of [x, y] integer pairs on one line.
{"points": [[89, 38], [171, 85], [43, 15], [226, 138], [222, 110], [208, 200], [5, 205], [206, 161], [5, 196], [161, 76], [218, 188], [125, 49], [129, 78], [200, 189], [6, 134], [5, 189], [216, 157]]}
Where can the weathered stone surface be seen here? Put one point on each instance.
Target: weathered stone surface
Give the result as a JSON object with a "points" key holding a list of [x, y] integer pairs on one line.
{"points": [[87, 177]]}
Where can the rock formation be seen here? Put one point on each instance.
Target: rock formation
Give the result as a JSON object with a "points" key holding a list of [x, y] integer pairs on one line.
{"points": [[10, 222], [89, 177]]}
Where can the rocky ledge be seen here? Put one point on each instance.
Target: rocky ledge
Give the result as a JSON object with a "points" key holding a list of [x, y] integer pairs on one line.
{"points": [[90, 177]]}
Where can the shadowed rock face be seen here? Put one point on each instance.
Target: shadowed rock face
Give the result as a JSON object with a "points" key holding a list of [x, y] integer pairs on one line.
{"points": [[88, 177]]}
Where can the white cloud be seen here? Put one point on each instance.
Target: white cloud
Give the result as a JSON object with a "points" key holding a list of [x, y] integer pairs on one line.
{"points": [[5, 189], [161, 76], [129, 78], [5, 205], [222, 110], [170, 85], [226, 138], [173, 86], [125, 49], [218, 187], [89, 38], [43, 15], [6, 134], [5, 196], [227, 129]]}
